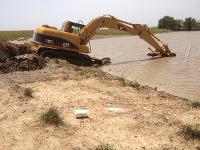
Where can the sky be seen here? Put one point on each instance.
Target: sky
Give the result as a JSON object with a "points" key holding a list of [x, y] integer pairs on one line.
{"points": [[28, 14]]}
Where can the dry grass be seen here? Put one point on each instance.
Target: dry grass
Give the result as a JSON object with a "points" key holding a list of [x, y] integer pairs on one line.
{"points": [[158, 30], [133, 84], [116, 32], [105, 147], [14, 35], [52, 116], [28, 92], [190, 131], [126, 82], [15, 88]]}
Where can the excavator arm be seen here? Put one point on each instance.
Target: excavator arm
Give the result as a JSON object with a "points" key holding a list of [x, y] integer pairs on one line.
{"points": [[111, 22]]}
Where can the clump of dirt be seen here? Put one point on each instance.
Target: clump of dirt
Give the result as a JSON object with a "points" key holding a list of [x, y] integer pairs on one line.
{"points": [[9, 50], [22, 63], [18, 57]]}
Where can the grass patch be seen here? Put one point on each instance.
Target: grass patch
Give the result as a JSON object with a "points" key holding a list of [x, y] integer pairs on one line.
{"points": [[14, 35], [15, 88], [133, 84], [92, 72], [116, 32], [126, 82], [158, 30], [28, 92], [52, 116], [191, 132], [105, 147], [196, 104], [122, 80]]}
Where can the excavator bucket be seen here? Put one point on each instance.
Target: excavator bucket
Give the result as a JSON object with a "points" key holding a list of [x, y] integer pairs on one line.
{"points": [[164, 52]]}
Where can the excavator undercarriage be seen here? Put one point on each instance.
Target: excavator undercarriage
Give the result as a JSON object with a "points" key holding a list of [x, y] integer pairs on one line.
{"points": [[72, 57]]}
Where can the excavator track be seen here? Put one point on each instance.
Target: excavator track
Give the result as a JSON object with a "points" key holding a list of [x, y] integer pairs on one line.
{"points": [[72, 57]]}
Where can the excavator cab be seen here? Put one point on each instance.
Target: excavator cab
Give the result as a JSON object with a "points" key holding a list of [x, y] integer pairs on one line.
{"points": [[71, 27]]}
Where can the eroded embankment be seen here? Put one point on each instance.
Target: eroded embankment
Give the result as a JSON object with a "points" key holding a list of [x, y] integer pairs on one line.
{"points": [[8, 50], [18, 57]]}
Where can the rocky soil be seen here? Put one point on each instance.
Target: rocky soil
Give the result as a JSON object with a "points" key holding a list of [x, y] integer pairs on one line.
{"points": [[22, 63], [18, 57]]}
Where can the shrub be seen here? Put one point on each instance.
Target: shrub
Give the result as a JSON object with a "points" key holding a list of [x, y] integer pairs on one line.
{"points": [[105, 147], [15, 87], [122, 80], [190, 131], [52, 116], [126, 82], [28, 92], [134, 84]]}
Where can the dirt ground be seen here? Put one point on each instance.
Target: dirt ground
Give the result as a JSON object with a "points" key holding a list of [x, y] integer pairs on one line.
{"points": [[150, 120]]}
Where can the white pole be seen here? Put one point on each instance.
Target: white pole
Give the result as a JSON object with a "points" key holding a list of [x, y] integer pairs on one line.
{"points": [[189, 49]]}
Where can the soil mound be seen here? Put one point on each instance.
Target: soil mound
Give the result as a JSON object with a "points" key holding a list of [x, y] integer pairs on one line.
{"points": [[9, 50], [25, 62]]}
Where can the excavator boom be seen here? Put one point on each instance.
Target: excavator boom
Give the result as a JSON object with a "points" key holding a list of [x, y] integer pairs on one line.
{"points": [[135, 29]]}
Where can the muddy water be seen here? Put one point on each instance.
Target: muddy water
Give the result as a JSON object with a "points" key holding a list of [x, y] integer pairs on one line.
{"points": [[172, 74]]}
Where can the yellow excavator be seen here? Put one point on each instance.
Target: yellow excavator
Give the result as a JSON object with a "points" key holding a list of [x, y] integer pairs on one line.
{"points": [[73, 38]]}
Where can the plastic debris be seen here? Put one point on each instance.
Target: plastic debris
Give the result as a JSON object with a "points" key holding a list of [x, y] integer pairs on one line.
{"points": [[81, 113]]}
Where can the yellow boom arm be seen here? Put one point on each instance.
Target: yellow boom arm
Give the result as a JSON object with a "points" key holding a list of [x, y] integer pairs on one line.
{"points": [[111, 22]]}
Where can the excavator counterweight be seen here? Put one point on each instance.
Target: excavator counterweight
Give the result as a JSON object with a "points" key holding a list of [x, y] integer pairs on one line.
{"points": [[73, 37]]}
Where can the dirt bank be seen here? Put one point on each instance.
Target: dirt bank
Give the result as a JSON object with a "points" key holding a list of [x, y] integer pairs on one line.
{"points": [[150, 120], [22, 63], [8, 50], [19, 57]]}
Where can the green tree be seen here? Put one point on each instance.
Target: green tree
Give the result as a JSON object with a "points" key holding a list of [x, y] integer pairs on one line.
{"points": [[167, 22], [189, 23], [179, 24]]}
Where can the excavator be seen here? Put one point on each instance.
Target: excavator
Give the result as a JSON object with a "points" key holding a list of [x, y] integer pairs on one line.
{"points": [[73, 38]]}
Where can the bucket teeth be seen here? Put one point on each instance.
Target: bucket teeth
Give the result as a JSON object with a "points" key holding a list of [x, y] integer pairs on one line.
{"points": [[163, 55], [153, 54]]}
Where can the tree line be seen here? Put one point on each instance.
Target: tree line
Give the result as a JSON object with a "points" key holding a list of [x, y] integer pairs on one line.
{"points": [[188, 24]]}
